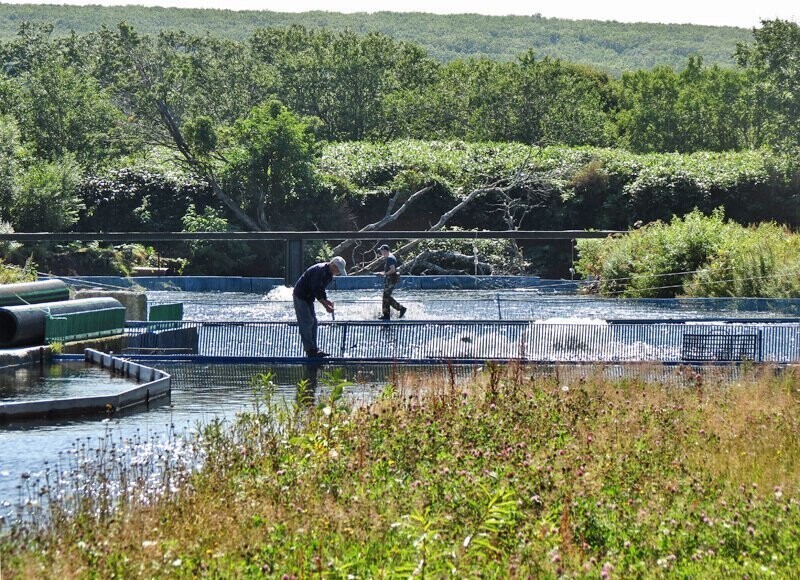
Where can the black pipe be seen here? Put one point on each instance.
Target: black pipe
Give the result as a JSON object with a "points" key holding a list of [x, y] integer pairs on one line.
{"points": [[25, 325], [33, 292]]}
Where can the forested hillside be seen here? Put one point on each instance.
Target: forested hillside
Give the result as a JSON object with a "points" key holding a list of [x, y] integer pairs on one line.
{"points": [[300, 128], [613, 47]]}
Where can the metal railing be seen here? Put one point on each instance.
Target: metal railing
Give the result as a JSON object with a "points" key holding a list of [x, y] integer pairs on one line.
{"points": [[476, 340]]}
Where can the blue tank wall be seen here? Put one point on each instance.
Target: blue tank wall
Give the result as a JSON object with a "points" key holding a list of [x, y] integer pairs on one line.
{"points": [[186, 283]]}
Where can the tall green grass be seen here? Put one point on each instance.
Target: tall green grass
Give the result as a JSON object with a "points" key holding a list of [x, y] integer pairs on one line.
{"points": [[506, 474]]}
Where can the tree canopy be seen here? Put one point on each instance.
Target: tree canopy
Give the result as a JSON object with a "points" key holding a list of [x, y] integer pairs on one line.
{"points": [[613, 47]]}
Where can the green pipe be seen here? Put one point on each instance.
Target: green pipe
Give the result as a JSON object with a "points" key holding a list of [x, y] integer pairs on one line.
{"points": [[33, 292], [25, 325]]}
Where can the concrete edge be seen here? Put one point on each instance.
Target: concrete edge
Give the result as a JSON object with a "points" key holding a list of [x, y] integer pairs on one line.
{"points": [[16, 357]]}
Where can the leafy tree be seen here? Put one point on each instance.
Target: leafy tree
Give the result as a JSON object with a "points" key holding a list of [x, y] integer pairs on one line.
{"points": [[714, 108], [152, 78], [201, 134], [9, 151], [65, 111], [221, 258], [340, 78], [774, 63], [59, 106], [269, 165], [648, 119], [612, 47], [699, 109], [452, 106], [47, 199], [562, 103], [529, 100]]}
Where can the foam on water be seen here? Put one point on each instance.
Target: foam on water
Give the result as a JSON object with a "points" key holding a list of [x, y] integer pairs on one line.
{"points": [[513, 304], [278, 293]]}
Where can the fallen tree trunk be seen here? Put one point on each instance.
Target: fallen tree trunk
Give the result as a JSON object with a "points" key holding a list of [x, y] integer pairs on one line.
{"points": [[388, 218]]}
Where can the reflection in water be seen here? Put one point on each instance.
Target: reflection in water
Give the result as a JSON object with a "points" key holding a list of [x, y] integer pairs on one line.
{"points": [[36, 382], [307, 388]]}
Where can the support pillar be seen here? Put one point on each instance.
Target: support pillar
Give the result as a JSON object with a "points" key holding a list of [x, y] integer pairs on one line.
{"points": [[293, 266]]}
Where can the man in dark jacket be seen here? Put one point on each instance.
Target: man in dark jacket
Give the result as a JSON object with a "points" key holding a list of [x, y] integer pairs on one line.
{"points": [[309, 287]]}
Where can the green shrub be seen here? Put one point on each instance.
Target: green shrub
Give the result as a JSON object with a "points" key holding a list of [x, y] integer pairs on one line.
{"points": [[142, 198], [696, 256], [219, 258], [759, 261], [47, 199], [10, 274], [595, 187]]}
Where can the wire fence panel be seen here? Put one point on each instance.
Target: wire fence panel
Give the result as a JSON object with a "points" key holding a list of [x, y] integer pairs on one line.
{"points": [[523, 340]]}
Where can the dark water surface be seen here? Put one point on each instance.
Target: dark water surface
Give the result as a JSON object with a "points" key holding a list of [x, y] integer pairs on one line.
{"points": [[34, 382]]}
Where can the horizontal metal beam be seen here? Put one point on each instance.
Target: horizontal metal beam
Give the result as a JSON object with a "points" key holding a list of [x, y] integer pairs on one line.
{"points": [[312, 235]]}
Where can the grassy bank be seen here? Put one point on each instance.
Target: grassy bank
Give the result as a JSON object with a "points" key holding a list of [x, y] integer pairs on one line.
{"points": [[503, 475]]}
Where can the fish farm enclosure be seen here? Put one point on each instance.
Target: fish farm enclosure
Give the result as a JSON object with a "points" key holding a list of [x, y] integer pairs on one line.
{"points": [[225, 339]]}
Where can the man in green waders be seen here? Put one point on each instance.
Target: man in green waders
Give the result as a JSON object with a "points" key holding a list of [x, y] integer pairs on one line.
{"points": [[391, 277]]}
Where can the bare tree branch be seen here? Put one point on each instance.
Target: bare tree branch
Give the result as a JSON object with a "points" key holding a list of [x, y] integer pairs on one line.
{"points": [[172, 126], [445, 217], [387, 218]]}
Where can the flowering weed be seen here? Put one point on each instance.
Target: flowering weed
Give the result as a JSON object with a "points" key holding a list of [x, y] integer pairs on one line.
{"points": [[507, 473]]}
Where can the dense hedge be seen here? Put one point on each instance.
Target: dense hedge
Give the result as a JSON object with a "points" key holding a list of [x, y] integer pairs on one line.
{"points": [[577, 187], [135, 200], [560, 188]]}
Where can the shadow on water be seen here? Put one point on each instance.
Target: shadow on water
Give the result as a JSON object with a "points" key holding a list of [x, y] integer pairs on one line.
{"points": [[52, 381]]}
